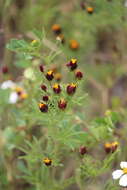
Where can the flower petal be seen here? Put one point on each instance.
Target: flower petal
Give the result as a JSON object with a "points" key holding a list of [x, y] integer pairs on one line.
{"points": [[123, 165], [117, 174], [123, 181], [13, 98]]}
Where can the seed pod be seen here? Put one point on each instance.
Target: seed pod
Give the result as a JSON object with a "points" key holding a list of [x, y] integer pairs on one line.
{"points": [[45, 98], [43, 107], [79, 75], [83, 150], [56, 29], [74, 45], [49, 75], [72, 64], [41, 67], [56, 88], [43, 87], [62, 104], [47, 161], [71, 88], [90, 10]]}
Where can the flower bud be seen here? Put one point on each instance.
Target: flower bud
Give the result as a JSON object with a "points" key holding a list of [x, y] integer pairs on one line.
{"points": [[43, 87], [56, 29], [79, 75], [71, 88], [90, 10], [47, 161], [4, 69], [41, 67], [107, 147], [114, 146], [43, 107], [74, 45], [49, 75], [56, 88], [83, 5], [57, 76], [45, 98], [83, 150], [62, 104]]}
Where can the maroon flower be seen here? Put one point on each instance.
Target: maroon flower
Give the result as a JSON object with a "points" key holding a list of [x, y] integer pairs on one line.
{"points": [[43, 87], [45, 98], [79, 75], [83, 150], [4, 69], [72, 64], [83, 5], [62, 104], [43, 107], [56, 88], [41, 67], [71, 88], [49, 75]]}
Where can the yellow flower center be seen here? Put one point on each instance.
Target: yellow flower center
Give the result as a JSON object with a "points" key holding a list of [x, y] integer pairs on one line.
{"points": [[73, 85], [49, 72], [46, 160], [125, 170], [56, 86]]}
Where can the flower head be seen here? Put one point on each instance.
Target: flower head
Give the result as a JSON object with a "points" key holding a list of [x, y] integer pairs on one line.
{"points": [[43, 87], [74, 45], [43, 107], [45, 98], [111, 147], [72, 64], [71, 88], [121, 174], [90, 10], [56, 29], [47, 161], [56, 88], [49, 75], [62, 104], [83, 150], [78, 74]]}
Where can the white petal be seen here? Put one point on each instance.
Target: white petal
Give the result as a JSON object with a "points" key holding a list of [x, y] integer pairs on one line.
{"points": [[13, 98], [123, 165], [123, 181], [7, 84], [117, 174]]}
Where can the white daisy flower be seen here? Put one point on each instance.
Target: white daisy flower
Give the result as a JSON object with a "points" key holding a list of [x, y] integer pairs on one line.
{"points": [[13, 98], [7, 84], [121, 174]]}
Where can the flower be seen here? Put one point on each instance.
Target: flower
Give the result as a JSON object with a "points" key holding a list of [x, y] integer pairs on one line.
{"points": [[61, 38], [49, 75], [57, 76], [83, 150], [45, 98], [47, 161], [78, 74], [56, 88], [43, 107], [62, 104], [71, 88], [7, 84], [13, 98], [72, 64], [111, 147], [90, 10], [43, 87], [74, 44], [121, 174], [4, 69], [41, 67], [83, 5], [56, 29]]}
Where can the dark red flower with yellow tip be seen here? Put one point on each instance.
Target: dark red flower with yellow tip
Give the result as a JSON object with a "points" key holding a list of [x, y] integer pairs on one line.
{"points": [[43, 107], [90, 10], [56, 88], [4, 69], [41, 67], [107, 147], [78, 74], [72, 64], [71, 88], [62, 104], [45, 98], [74, 45], [114, 146], [83, 150], [47, 161], [43, 87], [49, 75], [57, 76], [56, 29]]}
